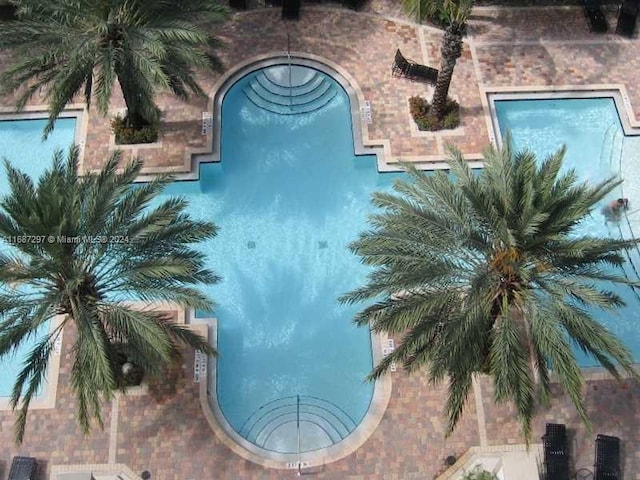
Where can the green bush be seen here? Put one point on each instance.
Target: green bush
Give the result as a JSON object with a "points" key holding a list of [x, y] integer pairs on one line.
{"points": [[452, 118], [127, 133], [127, 373], [419, 108], [479, 474]]}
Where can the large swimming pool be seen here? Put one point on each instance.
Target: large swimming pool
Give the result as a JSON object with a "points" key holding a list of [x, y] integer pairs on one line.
{"points": [[288, 195], [20, 144], [597, 148]]}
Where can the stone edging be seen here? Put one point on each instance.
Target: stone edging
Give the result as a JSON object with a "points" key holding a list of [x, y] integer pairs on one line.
{"points": [[225, 432], [98, 469], [50, 387], [466, 460]]}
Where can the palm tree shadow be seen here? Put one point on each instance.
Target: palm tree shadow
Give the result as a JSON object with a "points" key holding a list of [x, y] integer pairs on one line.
{"points": [[283, 330], [284, 327], [177, 128]]}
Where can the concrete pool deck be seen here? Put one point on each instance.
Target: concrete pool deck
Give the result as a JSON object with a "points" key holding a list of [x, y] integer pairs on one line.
{"points": [[165, 431]]}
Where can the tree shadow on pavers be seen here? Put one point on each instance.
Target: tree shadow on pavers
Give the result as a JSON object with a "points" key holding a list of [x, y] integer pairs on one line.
{"points": [[177, 127], [178, 421], [607, 57], [42, 473], [479, 24], [530, 64], [614, 409], [470, 112], [171, 381]]}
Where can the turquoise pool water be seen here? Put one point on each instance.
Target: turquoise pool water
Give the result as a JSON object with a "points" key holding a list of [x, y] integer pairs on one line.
{"points": [[288, 195], [20, 144], [597, 149]]}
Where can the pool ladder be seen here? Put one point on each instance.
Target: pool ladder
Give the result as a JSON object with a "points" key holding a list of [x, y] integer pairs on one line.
{"points": [[626, 217], [290, 76], [614, 135]]}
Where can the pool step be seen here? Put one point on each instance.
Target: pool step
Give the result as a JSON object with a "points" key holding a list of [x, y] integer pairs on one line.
{"points": [[322, 423], [313, 92], [309, 107], [265, 82], [285, 99]]}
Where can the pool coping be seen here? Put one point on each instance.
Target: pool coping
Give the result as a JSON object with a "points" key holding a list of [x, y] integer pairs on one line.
{"points": [[100, 469], [363, 145], [50, 388], [40, 112], [266, 458], [630, 126], [488, 94]]}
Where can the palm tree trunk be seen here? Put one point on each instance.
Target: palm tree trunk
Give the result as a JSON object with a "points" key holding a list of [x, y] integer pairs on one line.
{"points": [[134, 117], [451, 50]]}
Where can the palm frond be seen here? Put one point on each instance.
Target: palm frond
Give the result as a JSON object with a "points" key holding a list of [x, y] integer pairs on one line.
{"points": [[88, 281], [485, 273]]}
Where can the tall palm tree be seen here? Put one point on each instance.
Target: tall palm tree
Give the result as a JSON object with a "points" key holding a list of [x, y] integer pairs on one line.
{"points": [[73, 46], [455, 14], [488, 273], [85, 248]]}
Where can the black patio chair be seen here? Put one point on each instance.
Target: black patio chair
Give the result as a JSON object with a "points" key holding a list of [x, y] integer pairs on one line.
{"points": [[556, 452], [555, 431], [291, 9], [412, 70], [595, 16], [23, 468], [627, 18], [607, 465], [401, 65]]}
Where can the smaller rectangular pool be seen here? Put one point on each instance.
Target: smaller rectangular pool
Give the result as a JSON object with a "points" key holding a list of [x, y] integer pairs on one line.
{"points": [[21, 144], [597, 148]]}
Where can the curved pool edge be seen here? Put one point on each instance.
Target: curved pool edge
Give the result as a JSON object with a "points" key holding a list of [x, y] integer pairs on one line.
{"points": [[363, 145], [266, 458]]}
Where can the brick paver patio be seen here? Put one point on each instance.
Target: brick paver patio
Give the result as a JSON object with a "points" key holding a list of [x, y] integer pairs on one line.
{"points": [[165, 431]]}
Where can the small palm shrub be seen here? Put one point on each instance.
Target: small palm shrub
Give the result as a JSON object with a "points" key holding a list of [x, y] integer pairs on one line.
{"points": [[127, 133], [426, 121], [479, 473]]}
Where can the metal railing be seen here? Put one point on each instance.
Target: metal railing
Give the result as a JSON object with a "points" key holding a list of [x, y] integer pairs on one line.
{"points": [[323, 415]]}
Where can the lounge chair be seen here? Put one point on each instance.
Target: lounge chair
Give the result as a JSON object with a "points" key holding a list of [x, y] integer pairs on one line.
{"points": [[627, 18], [607, 466], [291, 9], [23, 468], [595, 16], [556, 452], [412, 70]]}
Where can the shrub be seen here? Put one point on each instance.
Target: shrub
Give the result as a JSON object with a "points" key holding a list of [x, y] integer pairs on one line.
{"points": [[452, 118], [419, 108], [478, 473], [128, 373], [128, 133]]}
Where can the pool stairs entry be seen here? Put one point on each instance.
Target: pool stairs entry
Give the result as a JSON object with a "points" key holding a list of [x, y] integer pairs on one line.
{"points": [[290, 90], [297, 424], [612, 146], [612, 153]]}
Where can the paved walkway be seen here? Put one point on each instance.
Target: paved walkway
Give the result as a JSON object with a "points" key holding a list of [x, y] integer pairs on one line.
{"points": [[165, 432]]}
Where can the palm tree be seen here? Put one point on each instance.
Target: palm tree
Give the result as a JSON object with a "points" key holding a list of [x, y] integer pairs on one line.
{"points": [[487, 273], [455, 14], [84, 248], [83, 46]]}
